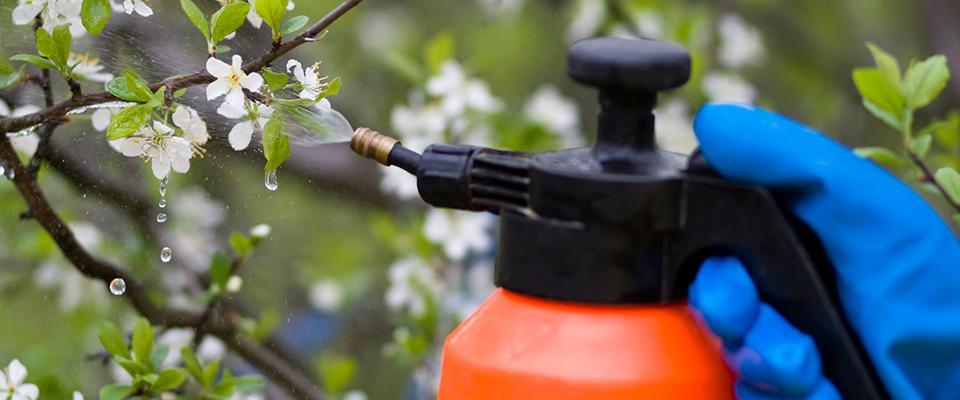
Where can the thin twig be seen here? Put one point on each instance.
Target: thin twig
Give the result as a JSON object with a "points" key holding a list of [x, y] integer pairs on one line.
{"points": [[58, 111], [929, 176]]}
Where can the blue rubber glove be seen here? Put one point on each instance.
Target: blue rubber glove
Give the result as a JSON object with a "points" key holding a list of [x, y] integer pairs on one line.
{"points": [[898, 264]]}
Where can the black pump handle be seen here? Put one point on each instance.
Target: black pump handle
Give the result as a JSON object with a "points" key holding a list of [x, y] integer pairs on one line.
{"points": [[792, 275]]}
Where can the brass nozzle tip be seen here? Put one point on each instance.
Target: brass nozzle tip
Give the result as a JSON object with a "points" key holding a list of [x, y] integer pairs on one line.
{"points": [[372, 144]]}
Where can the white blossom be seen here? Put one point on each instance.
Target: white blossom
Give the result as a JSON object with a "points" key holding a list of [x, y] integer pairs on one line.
{"points": [[588, 15], [674, 127], [158, 145], [88, 68], [193, 127], [12, 384], [254, 19], [234, 283], [260, 231], [308, 77], [138, 6], [458, 93], [231, 80], [255, 117], [725, 87], [53, 12], [77, 395], [649, 23], [100, 119], [459, 232], [326, 295], [26, 144], [354, 395], [399, 183], [418, 124], [558, 114], [740, 44], [410, 281], [176, 339]]}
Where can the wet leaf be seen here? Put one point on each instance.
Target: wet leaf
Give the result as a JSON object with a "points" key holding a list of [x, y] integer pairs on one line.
{"points": [[276, 144], [115, 391], [873, 86], [210, 373], [138, 86], [94, 14], [881, 155], [242, 246], [190, 361], [196, 17], [128, 121], [118, 87], [228, 19], [275, 80], [921, 146], [220, 269], [40, 62], [886, 116], [272, 12], [949, 179], [293, 24]]}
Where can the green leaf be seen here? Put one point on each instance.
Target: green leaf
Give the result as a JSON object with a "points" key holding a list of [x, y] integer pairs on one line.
{"points": [[138, 86], [275, 80], [128, 121], [921, 145], [115, 391], [337, 372], [437, 51], [118, 87], [403, 65], [228, 19], [55, 48], [169, 379], [293, 24], [179, 93], [142, 339], [112, 339], [225, 387], [132, 367], [272, 12], [956, 219], [947, 132], [94, 14], [268, 322], [924, 81], [883, 115], [220, 269], [248, 383], [149, 379], [333, 88], [242, 246], [196, 17], [5, 67], [881, 155], [9, 78], [210, 372], [35, 60], [159, 355], [276, 144], [190, 361], [886, 64], [873, 86], [949, 179]]}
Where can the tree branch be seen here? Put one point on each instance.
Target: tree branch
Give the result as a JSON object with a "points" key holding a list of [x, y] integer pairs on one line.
{"points": [[59, 110]]}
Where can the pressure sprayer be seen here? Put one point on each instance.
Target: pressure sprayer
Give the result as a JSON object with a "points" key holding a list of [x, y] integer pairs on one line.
{"points": [[597, 247]]}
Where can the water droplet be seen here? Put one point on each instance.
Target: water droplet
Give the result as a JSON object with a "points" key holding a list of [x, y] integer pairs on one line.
{"points": [[118, 287], [163, 203], [161, 217], [163, 187], [166, 254], [11, 173], [270, 180], [3, 170]]}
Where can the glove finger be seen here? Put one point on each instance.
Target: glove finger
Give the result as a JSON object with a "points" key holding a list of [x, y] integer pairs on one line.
{"points": [[776, 357], [725, 297], [823, 391], [895, 257]]}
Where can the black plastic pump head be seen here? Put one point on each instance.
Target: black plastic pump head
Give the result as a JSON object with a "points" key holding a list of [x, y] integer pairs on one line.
{"points": [[628, 73]]}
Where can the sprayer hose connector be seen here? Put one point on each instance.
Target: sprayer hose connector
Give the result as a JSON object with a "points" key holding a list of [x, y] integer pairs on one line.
{"points": [[372, 144]]}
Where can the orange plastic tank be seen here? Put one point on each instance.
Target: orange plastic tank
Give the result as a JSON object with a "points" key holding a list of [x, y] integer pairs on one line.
{"points": [[520, 347]]}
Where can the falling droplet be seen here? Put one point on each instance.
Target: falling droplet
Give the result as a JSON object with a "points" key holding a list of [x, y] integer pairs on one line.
{"points": [[118, 287], [270, 180], [163, 187], [163, 203], [166, 254], [161, 217]]}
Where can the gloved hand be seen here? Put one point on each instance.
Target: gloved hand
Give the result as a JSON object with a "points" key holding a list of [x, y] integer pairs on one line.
{"points": [[898, 264]]}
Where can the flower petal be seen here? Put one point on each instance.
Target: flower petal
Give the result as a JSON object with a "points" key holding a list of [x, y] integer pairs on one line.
{"points": [[27, 392], [240, 135], [252, 82], [180, 164], [217, 88], [294, 64], [129, 146], [161, 128], [237, 66], [160, 166], [235, 96], [25, 13], [16, 373], [218, 68], [232, 111], [142, 8], [128, 6]]}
